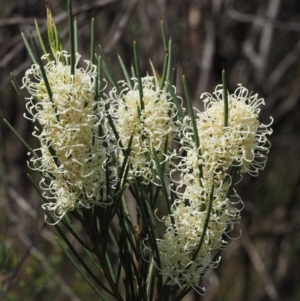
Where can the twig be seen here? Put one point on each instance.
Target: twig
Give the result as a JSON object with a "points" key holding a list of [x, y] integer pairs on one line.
{"points": [[30, 244], [122, 21], [251, 54], [21, 202], [207, 57], [56, 276], [259, 21], [19, 21], [259, 266], [11, 55], [266, 36], [282, 67]]}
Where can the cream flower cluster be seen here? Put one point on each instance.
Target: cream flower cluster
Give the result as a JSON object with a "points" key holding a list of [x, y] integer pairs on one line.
{"points": [[180, 241], [182, 237], [151, 127], [243, 144], [71, 152]]}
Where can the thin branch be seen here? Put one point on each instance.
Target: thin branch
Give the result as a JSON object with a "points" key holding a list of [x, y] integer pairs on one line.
{"points": [[56, 276], [19, 21], [30, 244], [207, 57], [259, 21], [282, 67], [266, 36], [118, 29], [259, 266]]}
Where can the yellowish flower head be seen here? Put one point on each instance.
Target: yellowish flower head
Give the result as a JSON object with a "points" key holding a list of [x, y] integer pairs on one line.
{"points": [[204, 173], [151, 127], [71, 152], [180, 241], [244, 142]]}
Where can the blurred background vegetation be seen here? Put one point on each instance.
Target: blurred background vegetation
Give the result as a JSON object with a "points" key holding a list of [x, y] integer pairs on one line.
{"points": [[258, 42]]}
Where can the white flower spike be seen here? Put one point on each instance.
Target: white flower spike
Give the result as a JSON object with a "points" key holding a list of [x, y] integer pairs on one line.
{"points": [[244, 142], [71, 152], [151, 127]]}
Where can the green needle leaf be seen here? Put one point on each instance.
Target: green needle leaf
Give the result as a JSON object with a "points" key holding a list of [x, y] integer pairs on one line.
{"points": [[191, 114], [205, 226], [29, 50], [71, 36], [225, 98], [19, 137], [138, 74], [42, 69], [164, 35], [126, 75], [75, 36], [40, 39], [53, 35], [92, 51], [108, 70]]}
